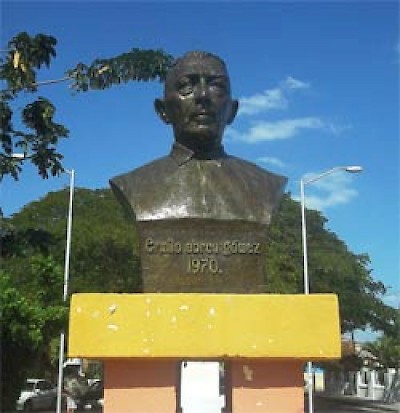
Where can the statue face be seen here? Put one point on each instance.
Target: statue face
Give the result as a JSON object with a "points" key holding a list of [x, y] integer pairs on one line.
{"points": [[197, 102]]}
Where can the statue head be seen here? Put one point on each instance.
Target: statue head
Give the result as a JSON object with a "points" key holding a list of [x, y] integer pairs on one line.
{"points": [[197, 101]]}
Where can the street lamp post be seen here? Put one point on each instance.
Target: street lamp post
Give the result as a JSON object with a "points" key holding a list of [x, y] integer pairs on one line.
{"points": [[71, 174], [303, 183]]}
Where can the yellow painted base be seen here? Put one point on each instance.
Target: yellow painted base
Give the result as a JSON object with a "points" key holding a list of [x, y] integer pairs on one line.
{"points": [[204, 326]]}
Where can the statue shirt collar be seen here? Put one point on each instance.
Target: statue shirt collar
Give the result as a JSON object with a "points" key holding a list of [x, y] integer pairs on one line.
{"points": [[181, 154]]}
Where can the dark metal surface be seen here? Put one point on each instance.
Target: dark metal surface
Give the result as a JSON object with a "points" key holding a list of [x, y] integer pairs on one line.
{"points": [[182, 186], [202, 215]]}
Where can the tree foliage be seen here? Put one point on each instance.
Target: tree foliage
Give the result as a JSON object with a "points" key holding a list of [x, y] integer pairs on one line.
{"points": [[103, 250], [31, 281], [332, 268], [26, 55], [135, 65], [38, 136], [30, 319], [387, 348]]}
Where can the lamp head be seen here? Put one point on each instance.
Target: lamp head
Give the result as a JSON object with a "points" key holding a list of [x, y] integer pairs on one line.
{"points": [[354, 169]]}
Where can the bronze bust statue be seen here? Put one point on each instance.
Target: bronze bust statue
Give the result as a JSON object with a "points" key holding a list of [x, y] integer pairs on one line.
{"points": [[197, 191], [198, 179]]}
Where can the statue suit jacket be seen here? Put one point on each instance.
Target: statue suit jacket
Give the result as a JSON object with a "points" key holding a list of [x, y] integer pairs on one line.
{"points": [[214, 186]]}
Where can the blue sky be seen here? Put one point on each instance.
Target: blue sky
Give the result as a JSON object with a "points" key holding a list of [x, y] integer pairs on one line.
{"points": [[318, 86]]}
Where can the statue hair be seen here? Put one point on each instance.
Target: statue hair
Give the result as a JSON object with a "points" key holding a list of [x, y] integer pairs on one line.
{"points": [[194, 55]]}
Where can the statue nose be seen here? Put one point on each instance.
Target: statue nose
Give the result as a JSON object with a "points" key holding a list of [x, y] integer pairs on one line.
{"points": [[202, 89]]}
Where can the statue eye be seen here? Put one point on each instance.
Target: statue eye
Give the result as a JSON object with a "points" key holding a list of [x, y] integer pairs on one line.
{"points": [[219, 84], [185, 86]]}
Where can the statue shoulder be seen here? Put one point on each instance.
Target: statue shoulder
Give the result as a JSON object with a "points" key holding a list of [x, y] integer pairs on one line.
{"points": [[140, 181], [255, 175], [143, 176]]}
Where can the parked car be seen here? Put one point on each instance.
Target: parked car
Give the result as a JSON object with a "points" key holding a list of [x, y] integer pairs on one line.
{"points": [[37, 394], [93, 397]]}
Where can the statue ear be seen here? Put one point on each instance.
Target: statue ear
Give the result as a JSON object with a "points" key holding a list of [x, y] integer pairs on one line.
{"points": [[159, 106], [234, 109]]}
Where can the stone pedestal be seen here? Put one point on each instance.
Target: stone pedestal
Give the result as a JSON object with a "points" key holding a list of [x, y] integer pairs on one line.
{"points": [[264, 339]]}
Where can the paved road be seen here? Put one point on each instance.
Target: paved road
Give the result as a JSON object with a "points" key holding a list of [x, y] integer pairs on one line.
{"points": [[330, 405]]}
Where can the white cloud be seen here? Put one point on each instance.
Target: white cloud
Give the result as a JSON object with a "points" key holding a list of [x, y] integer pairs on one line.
{"points": [[338, 129], [278, 98], [268, 131], [340, 197], [292, 83], [271, 161], [270, 99], [261, 102], [330, 191]]}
